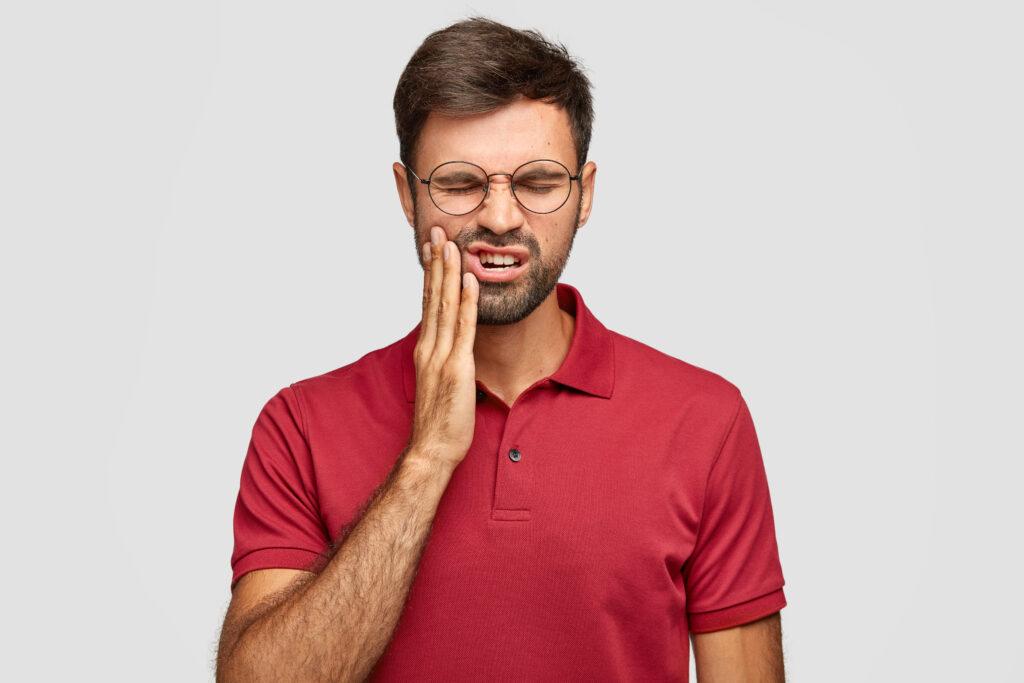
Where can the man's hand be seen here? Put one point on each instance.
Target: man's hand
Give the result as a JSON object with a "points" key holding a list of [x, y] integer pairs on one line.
{"points": [[335, 625], [445, 412]]}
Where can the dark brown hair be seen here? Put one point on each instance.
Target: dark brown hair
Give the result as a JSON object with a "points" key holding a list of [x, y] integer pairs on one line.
{"points": [[477, 65]]}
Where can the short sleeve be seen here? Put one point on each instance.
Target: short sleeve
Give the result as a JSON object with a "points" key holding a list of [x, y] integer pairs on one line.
{"points": [[733, 575], [277, 522]]}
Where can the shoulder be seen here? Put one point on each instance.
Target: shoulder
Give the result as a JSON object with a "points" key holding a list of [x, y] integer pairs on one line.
{"points": [[645, 371], [372, 374]]}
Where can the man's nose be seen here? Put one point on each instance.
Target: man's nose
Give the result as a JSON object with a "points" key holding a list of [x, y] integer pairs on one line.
{"points": [[500, 210]]}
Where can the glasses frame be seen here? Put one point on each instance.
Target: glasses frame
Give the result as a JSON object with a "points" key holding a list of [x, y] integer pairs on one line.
{"points": [[487, 186]]}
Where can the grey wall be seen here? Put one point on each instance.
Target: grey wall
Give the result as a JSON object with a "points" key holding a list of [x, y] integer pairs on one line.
{"points": [[819, 201]]}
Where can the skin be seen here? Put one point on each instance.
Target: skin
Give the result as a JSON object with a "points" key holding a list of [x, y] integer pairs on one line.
{"points": [[749, 652], [509, 357], [507, 337]]}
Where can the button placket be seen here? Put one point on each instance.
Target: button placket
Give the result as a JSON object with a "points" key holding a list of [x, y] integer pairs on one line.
{"points": [[513, 488]]}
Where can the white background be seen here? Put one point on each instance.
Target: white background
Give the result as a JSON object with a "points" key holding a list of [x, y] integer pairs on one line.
{"points": [[819, 201]]}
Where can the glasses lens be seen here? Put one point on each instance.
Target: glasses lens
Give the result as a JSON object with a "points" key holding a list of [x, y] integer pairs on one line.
{"points": [[457, 187], [542, 186]]}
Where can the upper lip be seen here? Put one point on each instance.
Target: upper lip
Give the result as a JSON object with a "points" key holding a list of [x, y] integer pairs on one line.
{"points": [[519, 253]]}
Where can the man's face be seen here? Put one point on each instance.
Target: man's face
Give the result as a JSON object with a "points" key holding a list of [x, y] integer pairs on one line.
{"points": [[499, 142]]}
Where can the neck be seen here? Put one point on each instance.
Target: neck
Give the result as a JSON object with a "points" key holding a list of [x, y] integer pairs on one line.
{"points": [[509, 358]]}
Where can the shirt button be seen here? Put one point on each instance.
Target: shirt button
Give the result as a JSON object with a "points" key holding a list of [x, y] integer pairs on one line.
{"points": [[515, 455]]}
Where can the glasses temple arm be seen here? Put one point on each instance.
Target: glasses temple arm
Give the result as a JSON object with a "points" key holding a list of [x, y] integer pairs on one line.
{"points": [[425, 182]]}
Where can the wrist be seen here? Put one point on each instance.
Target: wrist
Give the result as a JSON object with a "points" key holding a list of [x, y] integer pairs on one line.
{"points": [[427, 462]]}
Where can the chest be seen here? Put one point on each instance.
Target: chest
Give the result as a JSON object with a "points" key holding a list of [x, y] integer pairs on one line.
{"points": [[597, 497]]}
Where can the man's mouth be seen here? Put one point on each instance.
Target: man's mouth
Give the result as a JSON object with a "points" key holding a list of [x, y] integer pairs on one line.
{"points": [[497, 261], [490, 266]]}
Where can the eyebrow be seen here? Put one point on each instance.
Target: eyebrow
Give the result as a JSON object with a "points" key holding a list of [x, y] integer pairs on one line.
{"points": [[542, 174], [458, 176]]}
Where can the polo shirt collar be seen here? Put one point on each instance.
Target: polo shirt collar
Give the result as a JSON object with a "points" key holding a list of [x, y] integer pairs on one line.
{"points": [[589, 366]]}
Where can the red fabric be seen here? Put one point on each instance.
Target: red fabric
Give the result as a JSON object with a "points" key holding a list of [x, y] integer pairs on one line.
{"points": [[639, 511]]}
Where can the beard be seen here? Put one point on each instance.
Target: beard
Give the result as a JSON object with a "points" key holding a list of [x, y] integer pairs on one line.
{"points": [[504, 303]]}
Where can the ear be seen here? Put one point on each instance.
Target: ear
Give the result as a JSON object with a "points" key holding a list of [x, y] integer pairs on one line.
{"points": [[404, 195], [587, 181]]}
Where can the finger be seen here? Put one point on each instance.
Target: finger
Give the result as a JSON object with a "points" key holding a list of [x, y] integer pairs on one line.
{"points": [[449, 301], [428, 330], [466, 333]]}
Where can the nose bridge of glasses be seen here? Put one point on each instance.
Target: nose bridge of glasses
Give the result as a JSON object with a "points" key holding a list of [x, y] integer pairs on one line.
{"points": [[507, 181], [491, 175], [489, 197]]}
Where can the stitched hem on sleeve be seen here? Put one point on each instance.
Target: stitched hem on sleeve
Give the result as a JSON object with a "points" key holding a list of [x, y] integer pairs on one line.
{"points": [[275, 558], [727, 617]]}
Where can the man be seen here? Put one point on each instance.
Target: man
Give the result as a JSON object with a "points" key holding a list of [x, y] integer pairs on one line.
{"points": [[590, 502]]}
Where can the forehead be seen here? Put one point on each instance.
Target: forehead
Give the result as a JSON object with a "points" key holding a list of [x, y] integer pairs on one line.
{"points": [[499, 140]]}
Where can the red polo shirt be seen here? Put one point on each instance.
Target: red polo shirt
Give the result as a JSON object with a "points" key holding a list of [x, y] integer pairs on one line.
{"points": [[619, 504]]}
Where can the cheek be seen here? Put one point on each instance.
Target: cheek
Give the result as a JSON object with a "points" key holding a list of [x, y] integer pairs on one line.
{"points": [[553, 236], [429, 216]]}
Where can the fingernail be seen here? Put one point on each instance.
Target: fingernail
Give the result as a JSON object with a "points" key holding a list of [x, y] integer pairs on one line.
{"points": [[447, 250], [426, 252], [465, 279], [435, 235]]}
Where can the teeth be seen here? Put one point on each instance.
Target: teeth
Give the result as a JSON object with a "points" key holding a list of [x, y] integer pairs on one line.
{"points": [[497, 259]]}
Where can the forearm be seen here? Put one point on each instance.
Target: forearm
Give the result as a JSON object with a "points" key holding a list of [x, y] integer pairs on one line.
{"points": [[749, 652], [336, 627]]}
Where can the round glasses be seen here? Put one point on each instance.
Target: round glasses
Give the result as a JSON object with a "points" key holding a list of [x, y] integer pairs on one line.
{"points": [[459, 187]]}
